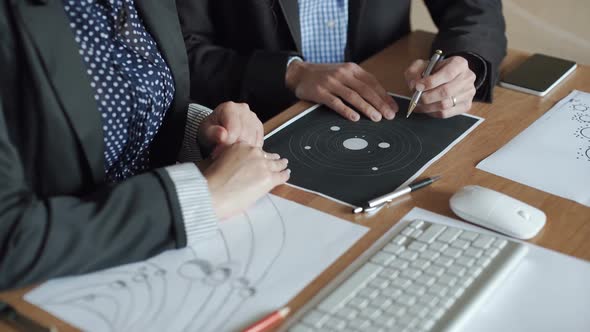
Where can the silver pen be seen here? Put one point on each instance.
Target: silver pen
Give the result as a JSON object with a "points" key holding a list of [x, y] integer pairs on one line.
{"points": [[380, 201], [417, 94]]}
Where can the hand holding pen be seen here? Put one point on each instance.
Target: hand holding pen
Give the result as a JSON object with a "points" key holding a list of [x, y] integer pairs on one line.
{"points": [[447, 89]]}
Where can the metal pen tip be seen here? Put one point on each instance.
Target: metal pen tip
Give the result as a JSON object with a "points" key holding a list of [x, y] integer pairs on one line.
{"points": [[435, 178], [412, 106]]}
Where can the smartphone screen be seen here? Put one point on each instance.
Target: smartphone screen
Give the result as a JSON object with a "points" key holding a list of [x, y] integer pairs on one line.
{"points": [[539, 73]]}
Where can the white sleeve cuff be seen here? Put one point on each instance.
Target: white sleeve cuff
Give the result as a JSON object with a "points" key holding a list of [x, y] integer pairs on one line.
{"points": [[190, 150], [195, 201]]}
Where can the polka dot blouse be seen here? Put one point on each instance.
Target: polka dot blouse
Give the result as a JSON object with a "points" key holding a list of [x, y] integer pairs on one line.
{"points": [[132, 84]]}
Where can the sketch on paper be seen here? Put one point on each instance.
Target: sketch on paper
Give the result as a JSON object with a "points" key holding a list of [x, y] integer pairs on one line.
{"points": [[203, 288], [551, 151]]}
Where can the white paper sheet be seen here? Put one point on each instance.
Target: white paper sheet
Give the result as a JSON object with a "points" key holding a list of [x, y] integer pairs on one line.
{"points": [[257, 263], [553, 154], [547, 291]]}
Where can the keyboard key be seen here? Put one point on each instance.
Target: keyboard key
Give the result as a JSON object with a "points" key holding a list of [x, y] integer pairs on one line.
{"points": [[431, 233], [347, 313], [438, 290], [382, 302], [335, 324], [411, 273], [435, 270], [399, 240], [359, 323], [426, 280], [393, 248], [419, 310], [429, 300], [452, 252], [396, 310], [384, 321], [391, 292], [315, 318], [468, 236], [409, 255], [456, 270], [473, 252], [483, 241], [460, 244], [444, 261], [389, 273], [500, 243], [449, 235], [382, 258], [301, 328], [368, 293], [420, 264], [447, 280], [399, 264], [417, 246], [439, 246], [406, 299], [379, 283], [417, 224], [370, 313], [408, 231], [401, 282], [358, 303], [349, 287], [492, 252], [465, 261], [417, 290], [430, 255]]}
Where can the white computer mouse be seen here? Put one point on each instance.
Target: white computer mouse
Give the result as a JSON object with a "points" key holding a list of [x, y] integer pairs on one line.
{"points": [[499, 212]]}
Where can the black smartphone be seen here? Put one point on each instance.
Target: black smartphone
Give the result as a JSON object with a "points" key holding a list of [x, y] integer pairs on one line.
{"points": [[538, 74]]}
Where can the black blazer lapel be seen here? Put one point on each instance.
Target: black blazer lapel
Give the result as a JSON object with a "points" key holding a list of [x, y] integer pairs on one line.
{"points": [[291, 12], [355, 14], [48, 28]]}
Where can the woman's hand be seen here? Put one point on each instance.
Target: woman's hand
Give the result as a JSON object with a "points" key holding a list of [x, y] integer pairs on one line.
{"points": [[241, 175], [230, 123]]}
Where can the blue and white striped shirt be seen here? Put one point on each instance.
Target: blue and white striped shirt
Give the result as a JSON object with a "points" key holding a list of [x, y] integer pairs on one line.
{"points": [[324, 30]]}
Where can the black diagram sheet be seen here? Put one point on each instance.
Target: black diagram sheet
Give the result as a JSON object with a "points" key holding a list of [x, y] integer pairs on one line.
{"points": [[353, 162], [256, 263]]}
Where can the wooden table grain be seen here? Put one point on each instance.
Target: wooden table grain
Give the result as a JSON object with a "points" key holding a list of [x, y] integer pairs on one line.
{"points": [[568, 223]]}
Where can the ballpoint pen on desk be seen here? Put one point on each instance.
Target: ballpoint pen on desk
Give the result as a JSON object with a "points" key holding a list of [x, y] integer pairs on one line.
{"points": [[434, 59], [269, 321], [382, 200]]}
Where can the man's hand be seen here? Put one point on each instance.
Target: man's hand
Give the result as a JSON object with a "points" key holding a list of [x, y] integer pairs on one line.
{"points": [[334, 85], [241, 175], [231, 123], [448, 91]]}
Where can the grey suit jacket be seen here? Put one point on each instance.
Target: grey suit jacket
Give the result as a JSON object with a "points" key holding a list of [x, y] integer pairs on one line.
{"points": [[57, 214]]}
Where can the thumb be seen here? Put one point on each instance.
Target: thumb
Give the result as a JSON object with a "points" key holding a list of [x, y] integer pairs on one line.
{"points": [[217, 134]]}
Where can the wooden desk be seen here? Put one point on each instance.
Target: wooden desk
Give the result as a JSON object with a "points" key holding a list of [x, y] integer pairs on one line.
{"points": [[568, 225]]}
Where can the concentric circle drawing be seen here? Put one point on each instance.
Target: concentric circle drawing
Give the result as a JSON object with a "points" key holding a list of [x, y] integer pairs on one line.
{"points": [[581, 118], [580, 107], [356, 149], [583, 132]]}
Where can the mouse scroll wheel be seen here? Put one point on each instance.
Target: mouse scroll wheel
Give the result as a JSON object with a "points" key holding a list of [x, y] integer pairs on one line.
{"points": [[524, 214]]}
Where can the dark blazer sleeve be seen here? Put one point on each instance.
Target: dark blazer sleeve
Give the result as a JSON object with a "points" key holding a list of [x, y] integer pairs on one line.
{"points": [[46, 237], [220, 74], [472, 26]]}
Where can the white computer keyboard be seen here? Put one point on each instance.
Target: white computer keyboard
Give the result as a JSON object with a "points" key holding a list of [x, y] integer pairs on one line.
{"points": [[425, 277]]}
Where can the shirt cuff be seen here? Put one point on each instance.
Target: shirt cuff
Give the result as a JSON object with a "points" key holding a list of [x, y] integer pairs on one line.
{"points": [[191, 150], [293, 58], [195, 201]]}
